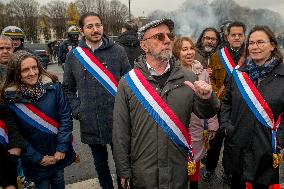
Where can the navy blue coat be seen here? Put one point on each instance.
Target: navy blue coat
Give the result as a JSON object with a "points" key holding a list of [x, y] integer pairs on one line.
{"points": [[93, 104], [54, 105]]}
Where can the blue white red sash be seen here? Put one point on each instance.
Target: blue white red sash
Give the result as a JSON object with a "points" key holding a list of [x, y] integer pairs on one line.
{"points": [[3, 133], [257, 104], [35, 117], [226, 60], [96, 69], [159, 110]]}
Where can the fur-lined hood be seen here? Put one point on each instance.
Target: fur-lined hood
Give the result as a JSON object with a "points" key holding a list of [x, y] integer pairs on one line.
{"points": [[43, 78]]}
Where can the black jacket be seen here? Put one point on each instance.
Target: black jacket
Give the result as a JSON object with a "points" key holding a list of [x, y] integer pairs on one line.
{"points": [[247, 148], [64, 48], [8, 163], [129, 41]]}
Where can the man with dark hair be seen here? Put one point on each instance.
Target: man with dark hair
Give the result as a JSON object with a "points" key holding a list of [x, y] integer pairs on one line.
{"points": [[206, 45], [221, 63], [152, 146], [129, 41], [90, 80]]}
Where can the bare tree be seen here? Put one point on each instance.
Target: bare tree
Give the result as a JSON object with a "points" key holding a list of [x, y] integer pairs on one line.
{"points": [[56, 12], [44, 26], [3, 16], [84, 6], [118, 13], [24, 14], [113, 13]]}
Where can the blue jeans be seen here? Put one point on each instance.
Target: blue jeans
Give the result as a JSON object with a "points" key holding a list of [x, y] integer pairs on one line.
{"points": [[100, 156], [55, 181]]}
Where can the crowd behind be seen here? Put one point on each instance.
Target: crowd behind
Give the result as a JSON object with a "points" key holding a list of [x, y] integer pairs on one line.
{"points": [[163, 103]]}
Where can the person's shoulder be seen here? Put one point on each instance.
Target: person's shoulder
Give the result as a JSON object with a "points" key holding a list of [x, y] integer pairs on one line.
{"points": [[215, 55], [279, 69], [187, 74], [215, 58], [117, 46], [3, 108]]}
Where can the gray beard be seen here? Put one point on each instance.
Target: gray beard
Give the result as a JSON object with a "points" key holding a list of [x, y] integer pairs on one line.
{"points": [[208, 49], [163, 57]]}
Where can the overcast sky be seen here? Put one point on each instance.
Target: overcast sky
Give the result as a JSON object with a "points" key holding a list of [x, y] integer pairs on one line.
{"points": [[144, 7]]}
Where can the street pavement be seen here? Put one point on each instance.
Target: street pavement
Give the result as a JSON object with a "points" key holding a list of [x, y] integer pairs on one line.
{"points": [[83, 175]]}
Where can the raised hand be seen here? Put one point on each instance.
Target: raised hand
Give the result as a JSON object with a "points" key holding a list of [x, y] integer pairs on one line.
{"points": [[201, 88]]}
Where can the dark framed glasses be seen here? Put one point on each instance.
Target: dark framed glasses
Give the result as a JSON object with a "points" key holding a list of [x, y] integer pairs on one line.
{"points": [[162, 36]]}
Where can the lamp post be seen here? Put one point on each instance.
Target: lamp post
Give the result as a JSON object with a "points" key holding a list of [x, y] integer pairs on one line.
{"points": [[129, 13]]}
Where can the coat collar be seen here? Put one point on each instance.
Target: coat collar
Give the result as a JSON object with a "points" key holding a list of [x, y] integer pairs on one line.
{"points": [[107, 43], [175, 68], [278, 70], [12, 94], [44, 79]]}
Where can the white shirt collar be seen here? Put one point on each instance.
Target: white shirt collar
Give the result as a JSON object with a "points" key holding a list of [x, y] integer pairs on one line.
{"points": [[153, 71], [101, 43]]}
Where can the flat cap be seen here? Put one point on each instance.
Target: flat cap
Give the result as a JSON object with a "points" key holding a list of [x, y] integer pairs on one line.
{"points": [[154, 24]]}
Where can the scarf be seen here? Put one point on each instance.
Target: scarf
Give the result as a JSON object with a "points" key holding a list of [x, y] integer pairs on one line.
{"points": [[33, 93], [256, 72]]}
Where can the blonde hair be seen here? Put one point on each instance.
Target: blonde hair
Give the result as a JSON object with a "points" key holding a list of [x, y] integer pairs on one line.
{"points": [[178, 45]]}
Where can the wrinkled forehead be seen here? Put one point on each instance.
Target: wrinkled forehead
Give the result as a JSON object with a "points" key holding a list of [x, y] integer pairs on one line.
{"points": [[5, 43], [162, 28]]}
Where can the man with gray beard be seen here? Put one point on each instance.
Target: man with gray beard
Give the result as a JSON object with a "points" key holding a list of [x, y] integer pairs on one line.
{"points": [[206, 45], [152, 113]]}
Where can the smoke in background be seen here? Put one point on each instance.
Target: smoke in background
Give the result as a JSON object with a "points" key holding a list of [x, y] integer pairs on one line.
{"points": [[193, 16]]}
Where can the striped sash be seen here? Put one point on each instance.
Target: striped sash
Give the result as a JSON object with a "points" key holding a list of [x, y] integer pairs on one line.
{"points": [[96, 69], [159, 110], [35, 117], [3, 133], [226, 60], [257, 104]]}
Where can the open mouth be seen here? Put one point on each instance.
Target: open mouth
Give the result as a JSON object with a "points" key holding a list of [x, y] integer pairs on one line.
{"points": [[189, 58]]}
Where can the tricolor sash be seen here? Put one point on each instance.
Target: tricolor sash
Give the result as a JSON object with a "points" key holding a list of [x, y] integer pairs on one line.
{"points": [[159, 110], [227, 60], [3, 133], [257, 104], [35, 117], [96, 69]]}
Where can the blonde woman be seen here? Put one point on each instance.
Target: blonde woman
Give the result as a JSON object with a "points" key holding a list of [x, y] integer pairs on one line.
{"points": [[201, 130]]}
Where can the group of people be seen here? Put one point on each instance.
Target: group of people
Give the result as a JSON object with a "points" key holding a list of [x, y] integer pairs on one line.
{"points": [[161, 114]]}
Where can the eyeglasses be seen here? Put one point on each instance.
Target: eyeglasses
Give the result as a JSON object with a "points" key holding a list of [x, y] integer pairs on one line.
{"points": [[259, 44], [162, 36], [209, 38], [91, 26]]}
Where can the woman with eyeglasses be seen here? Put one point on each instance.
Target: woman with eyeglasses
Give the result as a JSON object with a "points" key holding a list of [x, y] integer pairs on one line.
{"points": [[252, 114], [45, 120], [201, 129]]}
